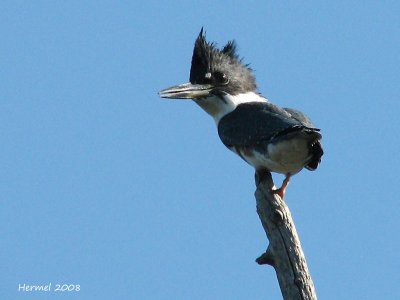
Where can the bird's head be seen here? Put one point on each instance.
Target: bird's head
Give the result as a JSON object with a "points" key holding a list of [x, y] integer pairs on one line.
{"points": [[214, 72]]}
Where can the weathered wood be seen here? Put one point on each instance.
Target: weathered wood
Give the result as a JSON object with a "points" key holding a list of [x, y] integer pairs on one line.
{"points": [[284, 252]]}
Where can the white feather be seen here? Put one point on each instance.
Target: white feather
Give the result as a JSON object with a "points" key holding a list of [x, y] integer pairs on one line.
{"points": [[217, 108]]}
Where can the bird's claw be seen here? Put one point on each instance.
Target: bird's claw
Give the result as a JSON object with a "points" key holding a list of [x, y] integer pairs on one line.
{"points": [[281, 191]]}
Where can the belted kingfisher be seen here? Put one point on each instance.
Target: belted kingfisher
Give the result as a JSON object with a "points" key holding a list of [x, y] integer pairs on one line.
{"points": [[270, 138]]}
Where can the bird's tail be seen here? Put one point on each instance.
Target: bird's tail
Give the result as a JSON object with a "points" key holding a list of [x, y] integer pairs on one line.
{"points": [[316, 154]]}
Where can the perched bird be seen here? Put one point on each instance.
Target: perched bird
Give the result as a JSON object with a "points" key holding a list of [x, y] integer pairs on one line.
{"points": [[268, 137]]}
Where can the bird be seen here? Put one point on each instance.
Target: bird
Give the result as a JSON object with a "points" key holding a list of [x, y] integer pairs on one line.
{"points": [[266, 136]]}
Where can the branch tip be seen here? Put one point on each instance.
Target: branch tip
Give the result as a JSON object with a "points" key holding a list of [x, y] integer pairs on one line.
{"points": [[263, 177]]}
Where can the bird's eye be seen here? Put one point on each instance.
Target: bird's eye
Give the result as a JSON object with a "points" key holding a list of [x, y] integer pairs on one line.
{"points": [[221, 78]]}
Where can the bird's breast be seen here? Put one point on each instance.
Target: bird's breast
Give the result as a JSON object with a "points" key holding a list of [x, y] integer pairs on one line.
{"points": [[285, 157]]}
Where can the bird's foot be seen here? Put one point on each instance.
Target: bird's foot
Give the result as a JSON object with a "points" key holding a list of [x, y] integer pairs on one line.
{"points": [[281, 191]]}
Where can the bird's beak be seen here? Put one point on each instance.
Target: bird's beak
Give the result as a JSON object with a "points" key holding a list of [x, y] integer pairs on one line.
{"points": [[186, 91]]}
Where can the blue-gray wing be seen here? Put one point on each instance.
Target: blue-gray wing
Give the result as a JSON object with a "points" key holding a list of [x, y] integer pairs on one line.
{"points": [[252, 124], [299, 116]]}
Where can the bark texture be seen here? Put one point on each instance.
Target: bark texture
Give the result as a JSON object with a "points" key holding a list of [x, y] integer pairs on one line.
{"points": [[284, 252]]}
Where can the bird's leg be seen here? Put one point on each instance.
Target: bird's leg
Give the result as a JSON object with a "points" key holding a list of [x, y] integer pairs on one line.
{"points": [[281, 190]]}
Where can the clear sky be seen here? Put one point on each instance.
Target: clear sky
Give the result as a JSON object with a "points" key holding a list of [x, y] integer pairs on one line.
{"points": [[107, 186]]}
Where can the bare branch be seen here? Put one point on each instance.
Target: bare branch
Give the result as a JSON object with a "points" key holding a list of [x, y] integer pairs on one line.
{"points": [[284, 252]]}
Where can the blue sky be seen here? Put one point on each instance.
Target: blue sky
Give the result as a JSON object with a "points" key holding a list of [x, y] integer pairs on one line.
{"points": [[105, 185]]}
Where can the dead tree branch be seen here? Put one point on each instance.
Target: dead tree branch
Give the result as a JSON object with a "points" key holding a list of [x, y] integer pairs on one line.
{"points": [[284, 252]]}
